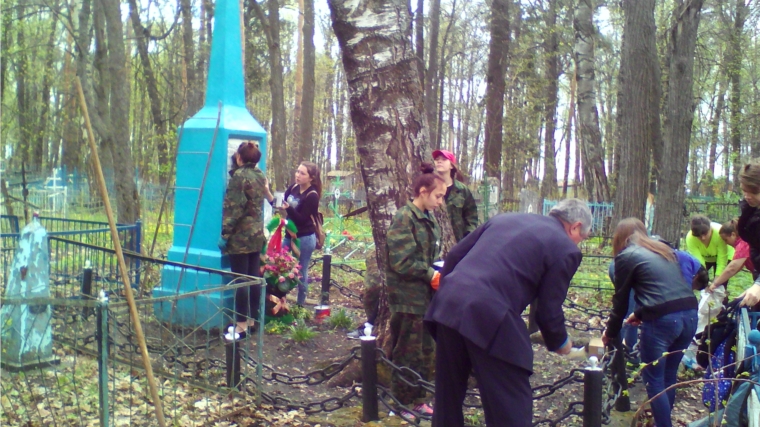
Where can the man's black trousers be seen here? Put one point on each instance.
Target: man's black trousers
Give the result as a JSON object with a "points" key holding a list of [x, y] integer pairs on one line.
{"points": [[504, 388]]}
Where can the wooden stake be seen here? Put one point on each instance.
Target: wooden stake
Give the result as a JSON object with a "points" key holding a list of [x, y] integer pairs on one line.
{"points": [[120, 256]]}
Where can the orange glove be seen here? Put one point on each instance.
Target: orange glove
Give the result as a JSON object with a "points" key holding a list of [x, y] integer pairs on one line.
{"points": [[435, 281]]}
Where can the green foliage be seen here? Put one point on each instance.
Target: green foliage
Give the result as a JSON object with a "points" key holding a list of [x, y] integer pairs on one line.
{"points": [[276, 328], [301, 333], [301, 313], [340, 319]]}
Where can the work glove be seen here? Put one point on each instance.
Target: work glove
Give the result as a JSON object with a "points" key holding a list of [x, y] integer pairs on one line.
{"points": [[222, 243], [435, 281]]}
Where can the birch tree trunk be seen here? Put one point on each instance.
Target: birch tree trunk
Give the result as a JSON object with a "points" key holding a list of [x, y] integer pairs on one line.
{"points": [[682, 43], [387, 113], [595, 177], [305, 136], [551, 73]]}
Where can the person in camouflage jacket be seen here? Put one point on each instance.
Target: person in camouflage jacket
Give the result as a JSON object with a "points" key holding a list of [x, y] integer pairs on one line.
{"points": [[243, 232], [460, 204], [413, 244]]}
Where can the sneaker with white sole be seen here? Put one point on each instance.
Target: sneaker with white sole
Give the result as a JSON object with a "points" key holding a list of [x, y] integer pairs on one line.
{"points": [[424, 409], [355, 334]]}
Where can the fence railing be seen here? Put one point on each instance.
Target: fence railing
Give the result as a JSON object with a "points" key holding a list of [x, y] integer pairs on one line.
{"points": [[93, 233], [95, 375]]}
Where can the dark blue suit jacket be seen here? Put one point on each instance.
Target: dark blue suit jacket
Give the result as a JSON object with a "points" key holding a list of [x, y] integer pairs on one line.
{"points": [[494, 273]]}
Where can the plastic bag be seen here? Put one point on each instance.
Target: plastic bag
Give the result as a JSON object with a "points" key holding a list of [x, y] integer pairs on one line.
{"points": [[710, 304]]}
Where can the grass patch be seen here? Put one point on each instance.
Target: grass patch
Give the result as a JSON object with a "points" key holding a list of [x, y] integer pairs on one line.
{"points": [[301, 333], [340, 319], [276, 328], [301, 313]]}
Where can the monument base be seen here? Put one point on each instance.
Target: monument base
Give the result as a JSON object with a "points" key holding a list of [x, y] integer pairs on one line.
{"points": [[23, 367]]}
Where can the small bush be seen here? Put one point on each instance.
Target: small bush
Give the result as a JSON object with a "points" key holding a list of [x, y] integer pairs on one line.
{"points": [[301, 333], [301, 313], [276, 328], [341, 319]]}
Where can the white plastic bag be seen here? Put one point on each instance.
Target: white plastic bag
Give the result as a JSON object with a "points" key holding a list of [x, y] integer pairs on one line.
{"points": [[710, 304]]}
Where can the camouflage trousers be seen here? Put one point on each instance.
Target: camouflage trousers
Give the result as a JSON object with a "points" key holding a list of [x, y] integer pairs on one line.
{"points": [[414, 348]]}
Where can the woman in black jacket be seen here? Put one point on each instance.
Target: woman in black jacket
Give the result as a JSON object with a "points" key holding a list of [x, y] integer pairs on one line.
{"points": [[302, 206], [749, 224], [666, 309]]}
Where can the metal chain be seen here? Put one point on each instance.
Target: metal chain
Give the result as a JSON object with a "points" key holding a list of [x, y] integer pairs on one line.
{"points": [[312, 378], [345, 291], [328, 405], [575, 376]]}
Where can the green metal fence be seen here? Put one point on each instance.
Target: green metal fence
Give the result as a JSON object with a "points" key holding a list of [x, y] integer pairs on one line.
{"points": [[97, 377]]}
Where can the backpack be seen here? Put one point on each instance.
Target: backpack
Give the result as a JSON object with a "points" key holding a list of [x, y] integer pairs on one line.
{"points": [[318, 221], [319, 230]]}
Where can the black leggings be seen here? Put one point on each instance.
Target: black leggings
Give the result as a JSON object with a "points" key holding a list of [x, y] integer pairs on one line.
{"points": [[246, 297]]}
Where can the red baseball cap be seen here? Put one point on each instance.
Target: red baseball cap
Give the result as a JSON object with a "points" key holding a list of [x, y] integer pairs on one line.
{"points": [[448, 155]]}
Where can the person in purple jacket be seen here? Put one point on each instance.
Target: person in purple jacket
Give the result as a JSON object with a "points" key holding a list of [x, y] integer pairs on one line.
{"points": [[487, 281]]}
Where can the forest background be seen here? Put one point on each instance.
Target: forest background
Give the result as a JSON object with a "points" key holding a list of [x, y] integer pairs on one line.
{"points": [[551, 93]]}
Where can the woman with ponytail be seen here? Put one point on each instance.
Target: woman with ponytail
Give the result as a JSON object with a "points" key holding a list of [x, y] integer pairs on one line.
{"points": [[413, 244]]}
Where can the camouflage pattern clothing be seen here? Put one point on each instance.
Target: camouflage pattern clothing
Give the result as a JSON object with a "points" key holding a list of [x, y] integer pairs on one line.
{"points": [[242, 219], [463, 211], [413, 244], [413, 347]]}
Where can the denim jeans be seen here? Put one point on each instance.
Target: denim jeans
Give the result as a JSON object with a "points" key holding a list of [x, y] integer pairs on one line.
{"points": [[308, 244], [670, 333]]}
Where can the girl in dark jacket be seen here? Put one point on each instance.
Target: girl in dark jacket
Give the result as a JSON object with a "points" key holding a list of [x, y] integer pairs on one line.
{"points": [[749, 224], [302, 206], [666, 309]]}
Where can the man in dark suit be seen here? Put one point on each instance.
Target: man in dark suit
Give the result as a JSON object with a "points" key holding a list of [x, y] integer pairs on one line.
{"points": [[488, 280]]}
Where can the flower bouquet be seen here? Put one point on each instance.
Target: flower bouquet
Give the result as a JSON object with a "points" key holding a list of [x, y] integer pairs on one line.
{"points": [[280, 272]]}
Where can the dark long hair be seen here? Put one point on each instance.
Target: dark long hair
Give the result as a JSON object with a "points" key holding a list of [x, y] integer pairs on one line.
{"points": [[313, 171], [632, 230]]}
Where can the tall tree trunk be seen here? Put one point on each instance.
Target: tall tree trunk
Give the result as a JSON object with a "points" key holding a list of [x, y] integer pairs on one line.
{"points": [[271, 25], [42, 133], [193, 93], [568, 137], [306, 144], [127, 201], [638, 108], [431, 76], [142, 36], [495, 86], [735, 75], [594, 176], [388, 118], [678, 119], [715, 127], [22, 101], [419, 39], [551, 50], [295, 149]]}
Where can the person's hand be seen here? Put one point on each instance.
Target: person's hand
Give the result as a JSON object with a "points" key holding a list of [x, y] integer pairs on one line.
{"points": [[435, 281], [267, 191], [633, 320], [711, 288], [285, 205], [565, 349], [222, 243], [751, 296], [605, 338]]}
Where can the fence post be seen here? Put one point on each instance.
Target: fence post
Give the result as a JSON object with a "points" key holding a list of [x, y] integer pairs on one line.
{"points": [[592, 394], [137, 248], [233, 364], [623, 403], [369, 379], [86, 287], [326, 267], [101, 336]]}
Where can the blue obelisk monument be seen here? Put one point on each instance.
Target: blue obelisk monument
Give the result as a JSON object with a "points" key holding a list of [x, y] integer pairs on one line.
{"points": [[202, 144]]}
